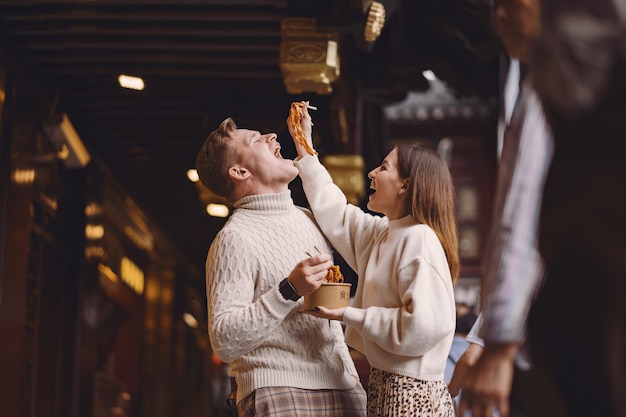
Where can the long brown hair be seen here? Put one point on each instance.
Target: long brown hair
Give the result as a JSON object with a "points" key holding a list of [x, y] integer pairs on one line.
{"points": [[431, 197]]}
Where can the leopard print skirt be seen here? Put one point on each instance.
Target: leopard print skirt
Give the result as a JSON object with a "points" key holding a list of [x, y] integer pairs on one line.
{"points": [[393, 395]]}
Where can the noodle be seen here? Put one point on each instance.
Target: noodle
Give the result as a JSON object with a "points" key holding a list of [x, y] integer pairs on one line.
{"points": [[334, 275], [295, 116]]}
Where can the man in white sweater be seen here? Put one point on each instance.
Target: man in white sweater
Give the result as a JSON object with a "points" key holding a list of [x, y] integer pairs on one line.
{"points": [[257, 271]]}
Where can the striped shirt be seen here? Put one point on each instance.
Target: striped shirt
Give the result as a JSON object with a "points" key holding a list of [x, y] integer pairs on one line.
{"points": [[513, 269]]}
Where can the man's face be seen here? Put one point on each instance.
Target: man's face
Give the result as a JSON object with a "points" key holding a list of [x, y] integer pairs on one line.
{"points": [[518, 25], [260, 156]]}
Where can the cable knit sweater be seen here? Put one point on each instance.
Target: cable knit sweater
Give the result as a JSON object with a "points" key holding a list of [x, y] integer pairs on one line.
{"points": [[403, 314], [251, 326]]}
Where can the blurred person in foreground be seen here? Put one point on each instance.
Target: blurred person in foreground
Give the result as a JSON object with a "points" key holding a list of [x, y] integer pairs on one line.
{"points": [[499, 377], [257, 270], [577, 325], [402, 317]]}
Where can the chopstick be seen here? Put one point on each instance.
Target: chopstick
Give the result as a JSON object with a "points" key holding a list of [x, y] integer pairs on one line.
{"points": [[319, 252], [311, 107]]}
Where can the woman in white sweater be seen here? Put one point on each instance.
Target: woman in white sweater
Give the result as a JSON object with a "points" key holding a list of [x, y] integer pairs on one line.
{"points": [[403, 314]]}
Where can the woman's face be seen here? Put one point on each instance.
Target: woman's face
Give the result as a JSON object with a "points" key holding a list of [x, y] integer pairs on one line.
{"points": [[390, 190]]}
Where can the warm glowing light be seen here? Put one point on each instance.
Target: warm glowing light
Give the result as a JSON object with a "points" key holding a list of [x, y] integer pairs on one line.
{"points": [[95, 252], [128, 81], [94, 231], [192, 174], [331, 54], [51, 202], [143, 240], [23, 176], [152, 290], [92, 209], [107, 272], [132, 275], [429, 75], [190, 320], [217, 210]]}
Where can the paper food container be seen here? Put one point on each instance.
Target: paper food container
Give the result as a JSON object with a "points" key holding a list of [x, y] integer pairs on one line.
{"points": [[329, 295]]}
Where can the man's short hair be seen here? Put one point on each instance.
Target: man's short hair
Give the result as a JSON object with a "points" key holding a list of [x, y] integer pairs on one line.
{"points": [[214, 159]]}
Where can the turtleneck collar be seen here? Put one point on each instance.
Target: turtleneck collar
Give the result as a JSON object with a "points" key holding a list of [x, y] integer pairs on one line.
{"points": [[402, 222], [272, 203]]}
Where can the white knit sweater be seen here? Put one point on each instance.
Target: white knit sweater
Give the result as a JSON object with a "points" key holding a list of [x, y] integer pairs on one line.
{"points": [[403, 314], [251, 326]]}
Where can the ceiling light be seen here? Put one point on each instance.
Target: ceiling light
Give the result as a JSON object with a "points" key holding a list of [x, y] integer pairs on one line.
{"points": [[190, 320], [192, 174], [217, 210], [128, 81]]}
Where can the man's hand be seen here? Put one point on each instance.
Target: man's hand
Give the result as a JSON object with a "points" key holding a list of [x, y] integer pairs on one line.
{"points": [[463, 367], [308, 275], [488, 384]]}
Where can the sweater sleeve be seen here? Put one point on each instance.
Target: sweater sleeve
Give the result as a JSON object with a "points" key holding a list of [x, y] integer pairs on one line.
{"points": [[347, 227], [419, 324], [233, 312]]}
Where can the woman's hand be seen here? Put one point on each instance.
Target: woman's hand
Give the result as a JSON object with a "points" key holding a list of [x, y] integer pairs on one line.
{"points": [[306, 122], [323, 312], [300, 125]]}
